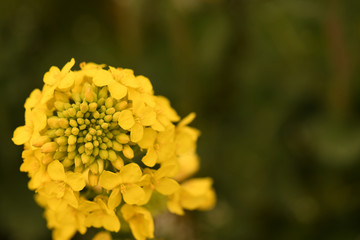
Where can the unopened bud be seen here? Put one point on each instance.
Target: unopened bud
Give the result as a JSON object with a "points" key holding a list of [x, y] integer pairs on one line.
{"points": [[59, 132], [40, 141], [92, 107], [108, 118], [103, 93], [110, 111], [75, 131], [49, 147], [59, 155], [71, 112], [84, 107], [73, 123], [53, 122], [112, 155], [109, 102], [85, 158], [47, 158], [121, 105], [61, 140], [71, 148], [103, 154], [72, 140], [67, 162], [93, 179], [117, 146], [63, 123], [89, 95], [128, 152], [101, 101], [118, 163], [59, 105], [115, 116], [122, 138], [71, 155]]}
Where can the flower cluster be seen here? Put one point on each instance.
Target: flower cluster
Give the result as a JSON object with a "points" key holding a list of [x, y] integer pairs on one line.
{"points": [[98, 144]]}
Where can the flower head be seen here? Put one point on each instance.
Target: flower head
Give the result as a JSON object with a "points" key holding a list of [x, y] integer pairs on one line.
{"points": [[98, 142]]}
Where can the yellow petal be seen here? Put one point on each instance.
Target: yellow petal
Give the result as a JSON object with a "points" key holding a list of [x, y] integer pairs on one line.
{"points": [[57, 204], [70, 198], [127, 211], [39, 119], [75, 180], [145, 84], [51, 76], [136, 98], [148, 117], [68, 66], [114, 199], [133, 194], [117, 90], [111, 223], [48, 93], [67, 81], [148, 138], [53, 189], [174, 206], [164, 104], [126, 119], [56, 171], [209, 200], [128, 78], [167, 186], [148, 193], [109, 180], [137, 132], [140, 221], [197, 186], [188, 165], [22, 135], [158, 126], [130, 173], [150, 158], [167, 169], [34, 99], [102, 78]]}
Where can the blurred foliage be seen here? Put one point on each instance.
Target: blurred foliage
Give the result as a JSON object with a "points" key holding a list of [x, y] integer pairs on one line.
{"points": [[274, 85]]}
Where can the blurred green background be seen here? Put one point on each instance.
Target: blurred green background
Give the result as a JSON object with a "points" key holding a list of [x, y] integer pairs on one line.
{"points": [[274, 85]]}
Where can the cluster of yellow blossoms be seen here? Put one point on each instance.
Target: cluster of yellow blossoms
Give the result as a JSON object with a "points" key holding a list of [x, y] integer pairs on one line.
{"points": [[98, 144]]}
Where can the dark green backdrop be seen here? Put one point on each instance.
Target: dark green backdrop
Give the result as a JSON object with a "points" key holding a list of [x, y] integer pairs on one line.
{"points": [[275, 85]]}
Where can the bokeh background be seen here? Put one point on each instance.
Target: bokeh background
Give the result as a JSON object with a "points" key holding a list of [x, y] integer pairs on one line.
{"points": [[275, 85]]}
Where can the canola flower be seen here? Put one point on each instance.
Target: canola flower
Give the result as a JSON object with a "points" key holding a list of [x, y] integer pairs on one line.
{"points": [[98, 144]]}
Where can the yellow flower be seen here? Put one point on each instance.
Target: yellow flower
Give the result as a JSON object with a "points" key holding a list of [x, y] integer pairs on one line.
{"points": [[100, 215], [61, 190], [125, 183], [193, 194], [66, 222], [136, 119], [95, 136], [56, 79], [160, 146], [160, 180], [140, 221]]}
